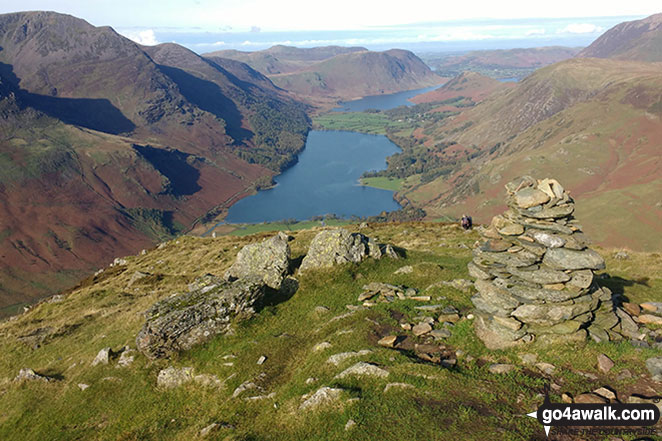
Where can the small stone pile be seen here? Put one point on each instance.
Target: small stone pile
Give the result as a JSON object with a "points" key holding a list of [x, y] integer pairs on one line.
{"points": [[535, 273]]}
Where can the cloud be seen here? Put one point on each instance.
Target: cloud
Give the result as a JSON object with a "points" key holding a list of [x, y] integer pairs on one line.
{"points": [[255, 29], [146, 37], [581, 28], [533, 32]]}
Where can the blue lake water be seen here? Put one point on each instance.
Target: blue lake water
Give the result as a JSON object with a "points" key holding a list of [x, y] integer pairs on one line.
{"points": [[324, 181], [382, 102]]}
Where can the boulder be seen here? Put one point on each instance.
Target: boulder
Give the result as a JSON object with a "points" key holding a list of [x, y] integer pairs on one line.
{"points": [[268, 261], [103, 357], [363, 369], [182, 321], [323, 396], [27, 374], [337, 246]]}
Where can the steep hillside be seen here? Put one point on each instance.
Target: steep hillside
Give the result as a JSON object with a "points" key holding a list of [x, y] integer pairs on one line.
{"points": [[592, 123], [253, 109], [470, 85], [638, 40], [359, 74], [106, 149], [284, 59], [503, 63], [252, 383]]}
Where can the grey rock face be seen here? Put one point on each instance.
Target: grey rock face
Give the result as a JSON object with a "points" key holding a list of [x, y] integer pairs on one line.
{"points": [[535, 273], [268, 261], [337, 246], [180, 322]]}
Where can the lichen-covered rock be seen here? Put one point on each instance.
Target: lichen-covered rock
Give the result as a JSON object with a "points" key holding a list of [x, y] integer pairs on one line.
{"points": [[182, 321], [172, 377], [337, 246], [268, 261]]}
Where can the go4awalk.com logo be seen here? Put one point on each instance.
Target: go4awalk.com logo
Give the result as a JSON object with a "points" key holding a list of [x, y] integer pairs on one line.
{"points": [[566, 416]]}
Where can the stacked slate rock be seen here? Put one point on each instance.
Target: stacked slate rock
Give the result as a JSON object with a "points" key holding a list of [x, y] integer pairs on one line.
{"points": [[535, 273]]}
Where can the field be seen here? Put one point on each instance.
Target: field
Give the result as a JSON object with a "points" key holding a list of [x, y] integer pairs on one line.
{"points": [[363, 122], [392, 184]]}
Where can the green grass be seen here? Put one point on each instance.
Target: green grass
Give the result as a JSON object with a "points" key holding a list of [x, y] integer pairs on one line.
{"points": [[371, 123], [393, 184], [248, 229], [462, 403]]}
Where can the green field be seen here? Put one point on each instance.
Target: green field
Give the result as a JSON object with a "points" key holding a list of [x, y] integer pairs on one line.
{"points": [[363, 122], [393, 184]]}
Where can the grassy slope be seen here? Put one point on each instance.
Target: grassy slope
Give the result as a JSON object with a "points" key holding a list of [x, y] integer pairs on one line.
{"points": [[463, 403]]}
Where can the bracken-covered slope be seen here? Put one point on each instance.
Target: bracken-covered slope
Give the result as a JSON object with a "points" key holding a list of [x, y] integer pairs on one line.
{"points": [[638, 40], [106, 148], [471, 85], [360, 74], [593, 124]]}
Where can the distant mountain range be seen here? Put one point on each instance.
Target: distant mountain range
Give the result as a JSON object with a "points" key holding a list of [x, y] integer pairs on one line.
{"points": [[504, 63], [338, 73]]}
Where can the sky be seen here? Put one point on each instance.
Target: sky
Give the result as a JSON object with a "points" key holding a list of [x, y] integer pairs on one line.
{"points": [[206, 25]]}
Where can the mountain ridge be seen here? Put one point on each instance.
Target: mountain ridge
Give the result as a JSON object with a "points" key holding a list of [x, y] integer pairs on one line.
{"points": [[637, 40]]}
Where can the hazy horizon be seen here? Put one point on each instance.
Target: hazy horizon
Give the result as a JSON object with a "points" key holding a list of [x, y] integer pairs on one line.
{"points": [[420, 25]]}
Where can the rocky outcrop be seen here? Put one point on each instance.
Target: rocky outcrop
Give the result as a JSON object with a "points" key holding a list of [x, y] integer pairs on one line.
{"points": [[268, 261], [210, 308], [535, 273], [337, 246], [27, 374]]}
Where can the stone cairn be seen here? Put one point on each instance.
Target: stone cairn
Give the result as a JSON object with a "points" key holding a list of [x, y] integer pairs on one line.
{"points": [[535, 274]]}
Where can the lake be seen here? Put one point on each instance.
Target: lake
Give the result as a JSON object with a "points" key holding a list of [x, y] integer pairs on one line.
{"points": [[382, 102], [324, 181]]}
